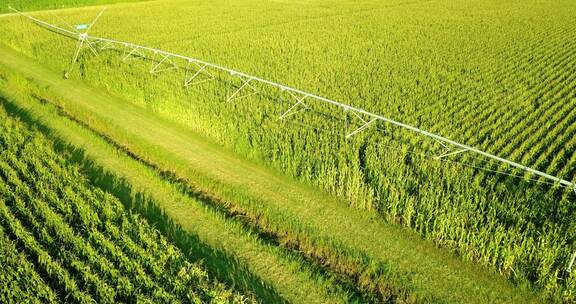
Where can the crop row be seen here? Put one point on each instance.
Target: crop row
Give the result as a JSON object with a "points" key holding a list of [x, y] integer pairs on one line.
{"points": [[83, 245]]}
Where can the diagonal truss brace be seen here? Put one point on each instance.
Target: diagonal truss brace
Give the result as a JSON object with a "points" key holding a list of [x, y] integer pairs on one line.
{"points": [[165, 59], [292, 110], [135, 51], [105, 45], [448, 153], [361, 128], [446, 148], [245, 83], [365, 123], [202, 70]]}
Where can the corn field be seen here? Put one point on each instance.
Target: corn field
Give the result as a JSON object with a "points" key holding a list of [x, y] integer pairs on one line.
{"points": [[497, 76]]}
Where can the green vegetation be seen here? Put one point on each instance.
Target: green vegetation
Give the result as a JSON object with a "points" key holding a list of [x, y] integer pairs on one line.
{"points": [[321, 230], [229, 250], [496, 75], [64, 240], [34, 5]]}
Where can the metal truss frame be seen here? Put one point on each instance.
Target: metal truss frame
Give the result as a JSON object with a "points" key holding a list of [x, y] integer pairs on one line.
{"points": [[131, 51], [448, 153], [365, 123], [83, 43], [165, 60], [245, 85], [104, 45], [293, 109], [367, 118], [247, 81], [202, 70]]}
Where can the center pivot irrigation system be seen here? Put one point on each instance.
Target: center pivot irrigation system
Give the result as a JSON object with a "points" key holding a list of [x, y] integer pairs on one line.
{"points": [[195, 67]]}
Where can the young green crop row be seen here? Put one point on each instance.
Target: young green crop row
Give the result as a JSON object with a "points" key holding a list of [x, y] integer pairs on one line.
{"points": [[429, 67], [66, 240]]}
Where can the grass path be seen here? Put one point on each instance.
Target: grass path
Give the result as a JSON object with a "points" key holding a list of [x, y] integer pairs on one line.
{"points": [[432, 273]]}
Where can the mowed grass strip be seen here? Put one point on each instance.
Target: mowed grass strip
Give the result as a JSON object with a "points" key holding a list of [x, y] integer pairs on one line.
{"points": [[430, 272]]}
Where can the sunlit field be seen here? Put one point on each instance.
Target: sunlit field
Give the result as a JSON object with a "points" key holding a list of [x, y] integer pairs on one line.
{"points": [[498, 76]]}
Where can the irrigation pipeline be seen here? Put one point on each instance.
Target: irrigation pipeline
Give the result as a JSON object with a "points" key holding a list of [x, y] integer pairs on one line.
{"points": [[372, 117]]}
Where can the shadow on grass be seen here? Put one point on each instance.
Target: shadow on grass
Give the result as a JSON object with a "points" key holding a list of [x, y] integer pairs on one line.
{"points": [[217, 263]]}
